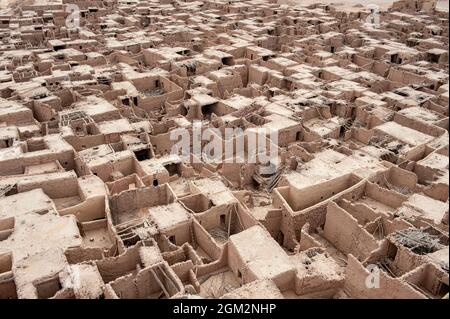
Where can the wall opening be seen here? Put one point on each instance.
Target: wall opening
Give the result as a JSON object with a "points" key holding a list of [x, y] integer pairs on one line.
{"points": [[173, 169], [443, 289], [208, 109], [280, 238], [433, 58], [228, 61], [394, 58], [142, 155], [5, 143], [222, 221], [392, 251], [183, 110], [342, 132]]}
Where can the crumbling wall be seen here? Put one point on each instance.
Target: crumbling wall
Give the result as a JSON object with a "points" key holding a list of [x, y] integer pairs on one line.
{"points": [[357, 277], [205, 241], [343, 231]]}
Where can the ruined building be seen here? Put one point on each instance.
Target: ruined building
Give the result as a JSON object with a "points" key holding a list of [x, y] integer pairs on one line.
{"points": [[94, 203]]}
